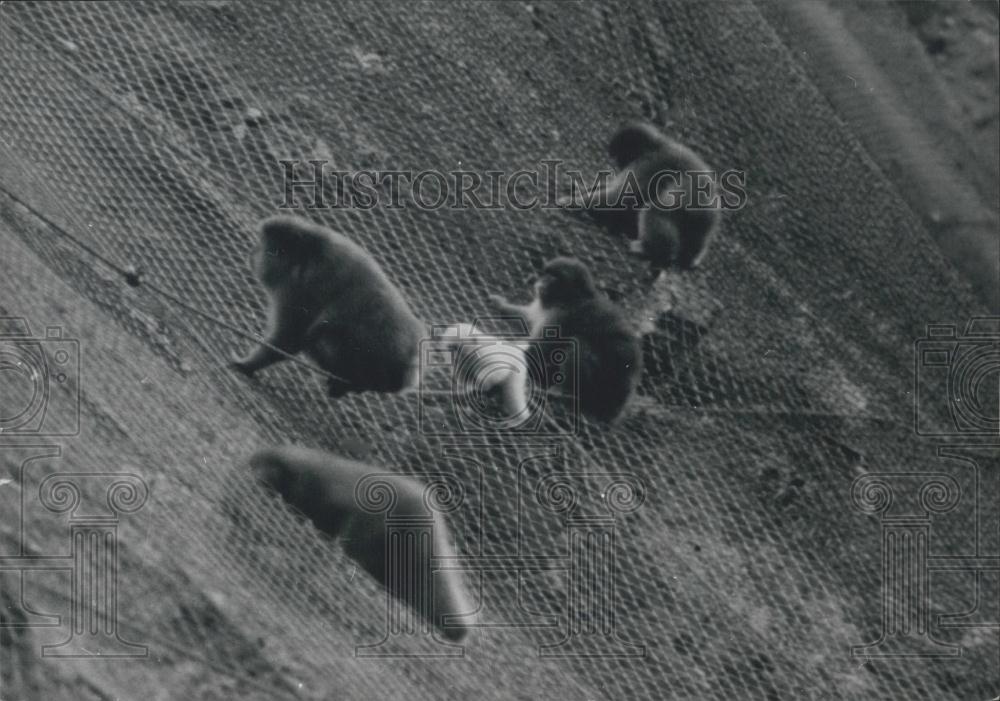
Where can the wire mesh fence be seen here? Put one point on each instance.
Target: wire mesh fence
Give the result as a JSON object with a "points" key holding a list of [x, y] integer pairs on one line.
{"points": [[149, 137]]}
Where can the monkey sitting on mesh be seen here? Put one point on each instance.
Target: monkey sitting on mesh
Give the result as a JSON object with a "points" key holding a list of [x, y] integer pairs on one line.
{"points": [[329, 298], [608, 352], [354, 501], [678, 211]]}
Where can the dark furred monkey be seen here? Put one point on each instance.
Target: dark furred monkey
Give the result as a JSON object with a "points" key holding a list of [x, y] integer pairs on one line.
{"points": [[323, 488], [329, 298], [608, 351], [670, 233]]}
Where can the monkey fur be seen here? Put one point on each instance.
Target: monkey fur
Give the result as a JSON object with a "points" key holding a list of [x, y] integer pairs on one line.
{"points": [[608, 352], [490, 364], [677, 236], [329, 298], [322, 487]]}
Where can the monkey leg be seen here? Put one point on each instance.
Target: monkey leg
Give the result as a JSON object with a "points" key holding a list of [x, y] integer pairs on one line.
{"points": [[659, 237], [324, 345]]}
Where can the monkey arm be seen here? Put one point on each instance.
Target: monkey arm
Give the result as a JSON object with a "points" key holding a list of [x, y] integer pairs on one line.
{"points": [[286, 332], [501, 304], [258, 359], [602, 195]]}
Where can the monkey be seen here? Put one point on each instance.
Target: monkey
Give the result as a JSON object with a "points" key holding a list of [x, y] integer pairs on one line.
{"points": [[487, 364], [329, 298], [670, 232], [329, 490], [608, 351]]}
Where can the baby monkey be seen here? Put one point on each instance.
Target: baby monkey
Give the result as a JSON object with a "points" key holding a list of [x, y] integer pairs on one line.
{"points": [[608, 352], [331, 491], [678, 204], [329, 298], [490, 364]]}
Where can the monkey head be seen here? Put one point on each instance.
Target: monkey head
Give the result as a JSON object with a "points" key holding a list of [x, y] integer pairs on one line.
{"points": [[632, 141], [284, 244], [271, 471], [564, 282]]}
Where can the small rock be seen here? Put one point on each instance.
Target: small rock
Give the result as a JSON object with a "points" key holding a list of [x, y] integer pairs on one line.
{"points": [[254, 116]]}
